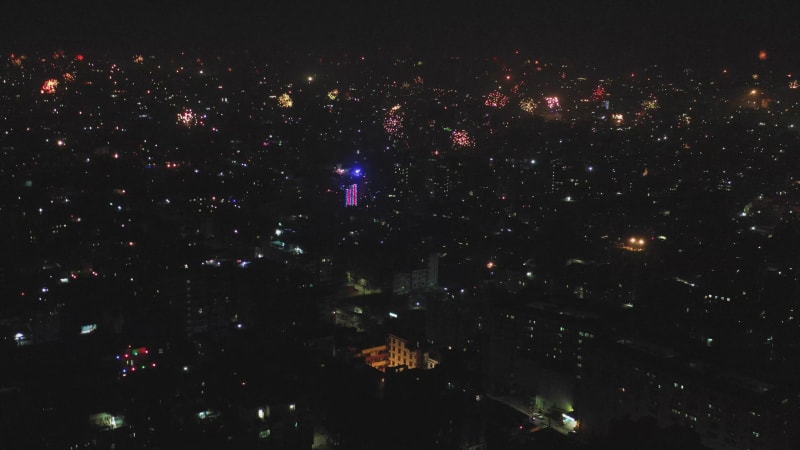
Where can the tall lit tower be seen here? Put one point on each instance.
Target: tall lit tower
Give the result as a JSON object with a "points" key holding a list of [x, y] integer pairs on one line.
{"points": [[351, 195], [349, 179]]}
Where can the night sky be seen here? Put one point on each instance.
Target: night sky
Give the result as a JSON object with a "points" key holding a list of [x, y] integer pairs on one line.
{"points": [[646, 31]]}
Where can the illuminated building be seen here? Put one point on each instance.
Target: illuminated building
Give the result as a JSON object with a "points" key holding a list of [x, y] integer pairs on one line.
{"points": [[447, 177], [376, 357], [431, 360], [205, 299], [402, 353], [540, 351], [402, 180], [351, 195]]}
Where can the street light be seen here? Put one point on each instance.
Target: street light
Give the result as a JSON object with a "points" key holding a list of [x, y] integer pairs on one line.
{"points": [[634, 244]]}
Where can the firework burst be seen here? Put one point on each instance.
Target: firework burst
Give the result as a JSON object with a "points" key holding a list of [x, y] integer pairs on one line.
{"points": [[461, 139], [285, 101], [495, 99], [393, 123], [49, 86]]}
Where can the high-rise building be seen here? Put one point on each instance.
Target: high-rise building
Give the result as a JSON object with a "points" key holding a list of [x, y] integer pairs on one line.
{"points": [[433, 271], [419, 278], [402, 184], [404, 353], [376, 357], [351, 195]]}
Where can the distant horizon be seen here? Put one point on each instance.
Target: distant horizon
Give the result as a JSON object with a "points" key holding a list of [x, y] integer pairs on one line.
{"points": [[618, 33]]}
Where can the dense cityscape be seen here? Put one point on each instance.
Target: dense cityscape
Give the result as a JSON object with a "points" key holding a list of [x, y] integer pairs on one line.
{"points": [[379, 249]]}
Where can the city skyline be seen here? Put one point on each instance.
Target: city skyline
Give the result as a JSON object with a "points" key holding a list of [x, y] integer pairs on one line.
{"points": [[714, 32], [392, 226]]}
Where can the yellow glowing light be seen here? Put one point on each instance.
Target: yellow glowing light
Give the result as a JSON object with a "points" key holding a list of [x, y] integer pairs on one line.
{"points": [[332, 95], [633, 244]]}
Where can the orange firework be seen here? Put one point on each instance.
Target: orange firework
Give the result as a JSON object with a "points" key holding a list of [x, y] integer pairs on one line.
{"points": [[49, 86]]}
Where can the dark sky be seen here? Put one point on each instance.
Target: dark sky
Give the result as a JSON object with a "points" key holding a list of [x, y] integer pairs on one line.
{"points": [[642, 30]]}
